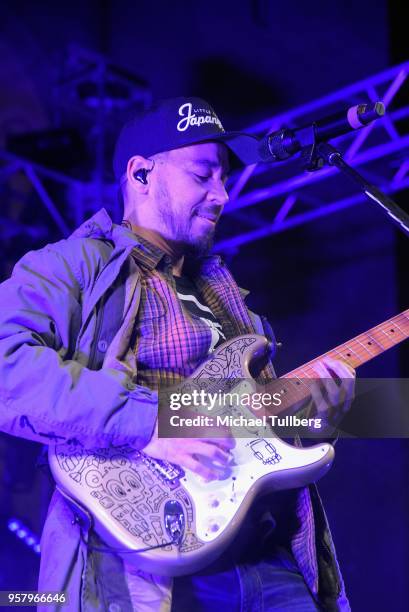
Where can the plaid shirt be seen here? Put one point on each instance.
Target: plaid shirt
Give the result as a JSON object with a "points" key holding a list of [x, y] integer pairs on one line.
{"points": [[170, 343]]}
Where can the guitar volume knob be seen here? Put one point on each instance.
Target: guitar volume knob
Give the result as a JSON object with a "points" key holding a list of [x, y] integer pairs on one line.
{"points": [[213, 526]]}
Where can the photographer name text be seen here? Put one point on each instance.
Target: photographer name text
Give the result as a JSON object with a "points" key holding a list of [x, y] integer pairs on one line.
{"points": [[242, 421]]}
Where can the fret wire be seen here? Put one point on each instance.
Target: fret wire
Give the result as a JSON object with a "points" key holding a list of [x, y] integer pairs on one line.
{"points": [[384, 332], [386, 329], [289, 389], [360, 353], [304, 370], [362, 344], [373, 339], [347, 347], [371, 350], [312, 373], [389, 327], [302, 393], [293, 390], [300, 379], [403, 319], [297, 389], [370, 342], [292, 396], [289, 396], [396, 325], [344, 358], [293, 373]]}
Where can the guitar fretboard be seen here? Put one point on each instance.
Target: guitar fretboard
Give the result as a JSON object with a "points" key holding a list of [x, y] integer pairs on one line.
{"points": [[364, 347], [355, 352]]}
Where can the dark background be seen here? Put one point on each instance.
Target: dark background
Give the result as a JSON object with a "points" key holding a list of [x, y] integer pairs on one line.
{"points": [[319, 284]]}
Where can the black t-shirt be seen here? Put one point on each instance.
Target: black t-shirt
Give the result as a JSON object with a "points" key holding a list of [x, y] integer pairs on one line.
{"points": [[193, 302]]}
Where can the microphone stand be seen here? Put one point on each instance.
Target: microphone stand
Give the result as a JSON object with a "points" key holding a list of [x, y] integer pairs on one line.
{"points": [[320, 153]]}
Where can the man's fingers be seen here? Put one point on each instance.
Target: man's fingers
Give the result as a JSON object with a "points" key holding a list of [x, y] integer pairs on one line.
{"points": [[327, 368], [330, 386], [342, 369], [199, 468], [205, 459], [320, 401], [209, 450], [334, 392], [225, 443], [346, 374]]}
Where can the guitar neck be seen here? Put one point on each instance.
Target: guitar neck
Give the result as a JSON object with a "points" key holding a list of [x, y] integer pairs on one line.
{"points": [[355, 352], [364, 347]]}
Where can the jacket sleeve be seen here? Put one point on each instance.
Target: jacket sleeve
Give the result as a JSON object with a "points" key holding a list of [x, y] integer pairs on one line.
{"points": [[44, 395]]}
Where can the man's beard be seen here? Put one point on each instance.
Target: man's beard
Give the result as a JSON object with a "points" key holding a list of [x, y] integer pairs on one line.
{"points": [[201, 247], [181, 238]]}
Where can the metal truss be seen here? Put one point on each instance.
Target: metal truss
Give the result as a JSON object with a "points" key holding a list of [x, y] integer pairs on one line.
{"points": [[265, 199], [95, 97]]}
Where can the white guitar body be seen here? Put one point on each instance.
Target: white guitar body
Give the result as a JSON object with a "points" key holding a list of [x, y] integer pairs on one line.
{"points": [[127, 492], [137, 502]]}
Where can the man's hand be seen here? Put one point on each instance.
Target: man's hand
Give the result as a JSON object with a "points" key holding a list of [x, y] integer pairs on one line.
{"points": [[206, 457], [333, 397]]}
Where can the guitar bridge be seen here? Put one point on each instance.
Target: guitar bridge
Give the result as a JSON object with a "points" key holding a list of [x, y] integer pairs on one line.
{"points": [[168, 472]]}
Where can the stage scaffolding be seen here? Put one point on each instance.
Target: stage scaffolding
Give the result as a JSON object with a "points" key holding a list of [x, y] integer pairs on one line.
{"points": [[265, 199]]}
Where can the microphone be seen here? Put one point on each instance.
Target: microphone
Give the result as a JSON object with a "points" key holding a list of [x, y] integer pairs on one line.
{"points": [[286, 142]]}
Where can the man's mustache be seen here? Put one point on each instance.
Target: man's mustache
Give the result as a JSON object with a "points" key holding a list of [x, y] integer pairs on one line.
{"points": [[211, 212]]}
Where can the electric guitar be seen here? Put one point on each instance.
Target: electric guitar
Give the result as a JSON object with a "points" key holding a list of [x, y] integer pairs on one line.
{"points": [[165, 516]]}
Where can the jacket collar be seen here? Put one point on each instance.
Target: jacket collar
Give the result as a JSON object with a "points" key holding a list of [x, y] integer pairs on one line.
{"points": [[101, 226]]}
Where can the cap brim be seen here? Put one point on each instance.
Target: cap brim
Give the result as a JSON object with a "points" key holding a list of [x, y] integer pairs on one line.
{"points": [[245, 148]]}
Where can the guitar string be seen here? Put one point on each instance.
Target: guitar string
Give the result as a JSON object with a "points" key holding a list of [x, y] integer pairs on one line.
{"points": [[387, 340]]}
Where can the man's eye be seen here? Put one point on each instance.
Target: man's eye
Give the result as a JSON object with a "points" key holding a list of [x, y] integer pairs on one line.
{"points": [[202, 177]]}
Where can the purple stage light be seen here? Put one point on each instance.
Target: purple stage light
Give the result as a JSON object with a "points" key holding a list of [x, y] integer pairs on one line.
{"points": [[13, 525], [24, 534]]}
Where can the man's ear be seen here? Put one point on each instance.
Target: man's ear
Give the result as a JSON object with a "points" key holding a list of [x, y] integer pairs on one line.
{"points": [[137, 171]]}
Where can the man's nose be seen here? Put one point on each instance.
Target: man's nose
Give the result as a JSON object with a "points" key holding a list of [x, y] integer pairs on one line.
{"points": [[217, 193]]}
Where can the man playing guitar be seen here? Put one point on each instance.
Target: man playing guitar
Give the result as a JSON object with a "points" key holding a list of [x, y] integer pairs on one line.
{"points": [[94, 326]]}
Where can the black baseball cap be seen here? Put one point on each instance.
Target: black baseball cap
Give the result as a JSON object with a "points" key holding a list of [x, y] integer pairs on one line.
{"points": [[174, 123]]}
